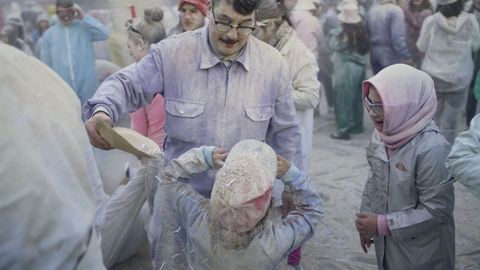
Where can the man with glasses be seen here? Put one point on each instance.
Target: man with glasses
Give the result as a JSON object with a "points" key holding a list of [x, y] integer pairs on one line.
{"points": [[220, 85], [67, 47]]}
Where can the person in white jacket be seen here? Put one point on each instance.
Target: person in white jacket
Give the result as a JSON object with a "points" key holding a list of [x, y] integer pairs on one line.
{"points": [[448, 39], [463, 162]]}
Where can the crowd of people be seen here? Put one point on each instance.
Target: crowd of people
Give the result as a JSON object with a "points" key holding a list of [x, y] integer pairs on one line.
{"points": [[229, 95]]}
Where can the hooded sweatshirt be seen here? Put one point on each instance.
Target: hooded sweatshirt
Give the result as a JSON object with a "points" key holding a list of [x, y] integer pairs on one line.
{"points": [[448, 45]]}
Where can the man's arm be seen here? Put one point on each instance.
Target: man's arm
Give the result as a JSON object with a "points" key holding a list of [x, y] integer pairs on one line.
{"points": [[125, 91], [283, 133]]}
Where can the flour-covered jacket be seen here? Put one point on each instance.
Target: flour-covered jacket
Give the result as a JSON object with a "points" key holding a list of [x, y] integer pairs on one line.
{"points": [[463, 162], [180, 208], [448, 45], [415, 193], [208, 103]]}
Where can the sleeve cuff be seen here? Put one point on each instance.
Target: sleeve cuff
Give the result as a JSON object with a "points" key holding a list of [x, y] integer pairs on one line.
{"points": [[208, 154], [382, 226], [103, 109], [291, 174]]}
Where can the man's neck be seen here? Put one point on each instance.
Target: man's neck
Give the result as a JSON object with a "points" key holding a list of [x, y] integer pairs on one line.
{"points": [[223, 58]]}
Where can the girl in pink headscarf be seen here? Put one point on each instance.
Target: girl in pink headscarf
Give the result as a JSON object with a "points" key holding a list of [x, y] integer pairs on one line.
{"points": [[408, 200]]}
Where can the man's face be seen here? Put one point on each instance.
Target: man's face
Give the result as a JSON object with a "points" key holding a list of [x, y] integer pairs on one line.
{"points": [[227, 43], [265, 30], [191, 17], [65, 15]]}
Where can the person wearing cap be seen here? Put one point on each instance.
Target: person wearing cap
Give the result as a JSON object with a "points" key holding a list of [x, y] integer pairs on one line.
{"points": [[308, 26], [193, 14], [12, 34], [67, 47], [386, 28], [232, 229], [350, 44], [448, 38], [220, 85]]}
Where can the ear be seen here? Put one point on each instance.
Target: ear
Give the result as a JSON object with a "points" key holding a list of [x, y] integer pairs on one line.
{"points": [[271, 26], [142, 44]]}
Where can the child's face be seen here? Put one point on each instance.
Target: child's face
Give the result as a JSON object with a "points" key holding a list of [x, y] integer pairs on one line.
{"points": [[375, 107]]}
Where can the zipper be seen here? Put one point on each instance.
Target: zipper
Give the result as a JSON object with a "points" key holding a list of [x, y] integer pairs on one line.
{"points": [[70, 61], [227, 78]]}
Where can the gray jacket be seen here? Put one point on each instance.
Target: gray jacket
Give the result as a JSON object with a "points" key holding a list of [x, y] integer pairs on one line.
{"points": [[180, 232], [413, 190]]}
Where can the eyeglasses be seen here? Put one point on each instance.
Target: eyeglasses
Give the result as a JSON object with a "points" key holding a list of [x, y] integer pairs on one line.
{"points": [[225, 27], [129, 26], [377, 107]]}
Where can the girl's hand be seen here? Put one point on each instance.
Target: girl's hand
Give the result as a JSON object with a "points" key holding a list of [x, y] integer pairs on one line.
{"points": [[366, 224], [365, 243]]}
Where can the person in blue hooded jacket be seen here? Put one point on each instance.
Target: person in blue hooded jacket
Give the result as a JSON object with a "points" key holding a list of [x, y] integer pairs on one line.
{"points": [[67, 47]]}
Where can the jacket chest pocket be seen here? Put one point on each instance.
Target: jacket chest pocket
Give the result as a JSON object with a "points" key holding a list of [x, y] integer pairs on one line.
{"points": [[257, 121], [183, 119]]}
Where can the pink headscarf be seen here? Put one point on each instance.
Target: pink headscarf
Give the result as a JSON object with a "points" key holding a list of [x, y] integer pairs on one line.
{"points": [[409, 102]]}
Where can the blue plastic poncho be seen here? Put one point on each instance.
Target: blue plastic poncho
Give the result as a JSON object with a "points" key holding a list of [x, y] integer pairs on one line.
{"points": [[69, 51]]}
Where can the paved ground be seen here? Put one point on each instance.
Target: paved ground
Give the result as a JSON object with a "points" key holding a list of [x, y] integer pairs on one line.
{"points": [[338, 170]]}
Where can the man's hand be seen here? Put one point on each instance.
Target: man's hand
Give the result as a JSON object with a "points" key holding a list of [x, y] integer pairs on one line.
{"points": [[282, 166], [366, 224], [219, 155], [95, 138], [78, 12]]}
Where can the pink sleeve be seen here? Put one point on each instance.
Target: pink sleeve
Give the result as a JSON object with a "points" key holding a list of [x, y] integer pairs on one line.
{"points": [[382, 226], [139, 121], [156, 120]]}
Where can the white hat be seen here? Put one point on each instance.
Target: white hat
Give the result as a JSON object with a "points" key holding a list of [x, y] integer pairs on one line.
{"points": [[128, 140], [304, 5], [349, 14], [242, 190], [346, 2], [445, 2]]}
